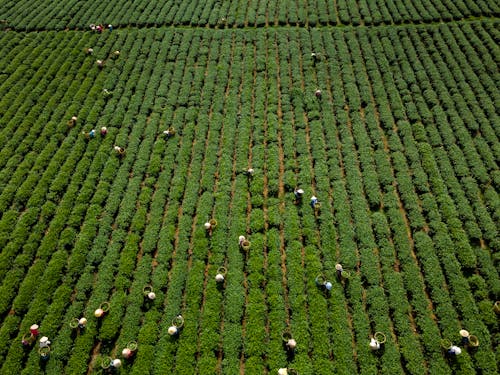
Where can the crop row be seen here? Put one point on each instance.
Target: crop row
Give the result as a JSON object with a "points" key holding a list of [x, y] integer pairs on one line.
{"points": [[408, 208], [44, 14]]}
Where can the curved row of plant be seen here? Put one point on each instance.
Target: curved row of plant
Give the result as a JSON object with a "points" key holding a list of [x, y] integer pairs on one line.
{"points": [[46, 15], [375, 148]]}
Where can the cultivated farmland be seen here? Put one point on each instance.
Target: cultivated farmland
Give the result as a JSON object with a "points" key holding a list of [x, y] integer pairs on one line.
{"points": [[386, 111]]}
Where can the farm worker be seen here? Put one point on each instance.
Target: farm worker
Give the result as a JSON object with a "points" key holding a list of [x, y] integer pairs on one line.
{"points": [[454, 350], [73, 119], [119, 149], [44, 342], [92, 133], [172, 330], [339, 269], [241, 239], [220, 274], [116, 363], [292, 344], [207, 225], [314, 57], [34, 329], [176, 324], [167, 133], [127, 353], [249, 172], [99, 313], [104, 131], [92, 27], [99, 28], [282, 371], [82, 322], [116, 54], [318, 93], [328, 286], [465, 336], [298, 193], [110, 27], [314, 201], [89, 51], [374, 344], [100, 63], [151, 295]]}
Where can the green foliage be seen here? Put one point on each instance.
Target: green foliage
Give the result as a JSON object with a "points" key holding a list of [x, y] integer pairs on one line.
{"points": [[401, 150]]}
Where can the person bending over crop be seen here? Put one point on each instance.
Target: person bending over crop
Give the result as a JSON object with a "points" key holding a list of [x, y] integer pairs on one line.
{"points": [[374, 344], [454, 350], [298, 194], [167, 134], [82, 323], [44, 342], [315, 57], [339, 269], [119, 150], [34, 329], [314, 201], [241, 239]]}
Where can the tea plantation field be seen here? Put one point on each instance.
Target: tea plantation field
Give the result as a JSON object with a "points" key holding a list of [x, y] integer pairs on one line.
{"points": [[387, 111]]}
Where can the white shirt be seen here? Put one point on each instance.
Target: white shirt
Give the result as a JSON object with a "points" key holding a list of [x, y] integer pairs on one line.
{"points": [[455, 350]]}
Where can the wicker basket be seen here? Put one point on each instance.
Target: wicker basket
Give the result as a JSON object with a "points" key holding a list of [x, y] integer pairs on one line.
{"points": [[147, 289], [74, 323], [27, 338], [44, 351], [106, 362], [222, 270], [285, 336], [345, 274], [496, 307], [105, 306], [178, 321], [473, 341], [445, 344], [245, 245], [380, 337], [320, 280], [132, 345]]}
